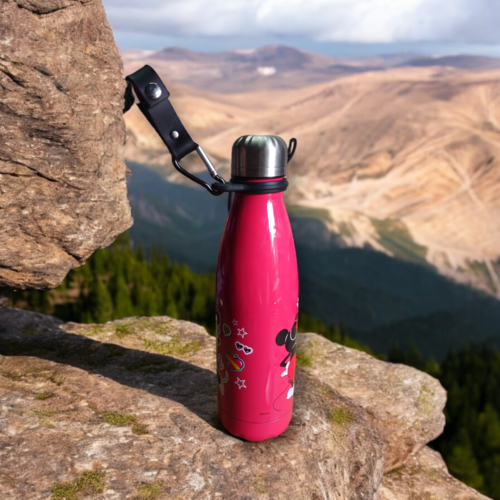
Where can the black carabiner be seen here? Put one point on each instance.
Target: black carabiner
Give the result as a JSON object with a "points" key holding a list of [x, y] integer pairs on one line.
{"points": [[210, 168]]}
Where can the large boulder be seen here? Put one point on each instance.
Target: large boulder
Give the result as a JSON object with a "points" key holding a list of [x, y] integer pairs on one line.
{"points": [[62, 174], [128, 409], [405, 404]]}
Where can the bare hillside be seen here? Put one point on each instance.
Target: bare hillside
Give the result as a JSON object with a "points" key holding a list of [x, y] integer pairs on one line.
{"points": [[405, 160]]}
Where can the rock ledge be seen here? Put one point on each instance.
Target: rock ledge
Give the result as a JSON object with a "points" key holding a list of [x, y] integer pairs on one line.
{"points": [[129, 408]]}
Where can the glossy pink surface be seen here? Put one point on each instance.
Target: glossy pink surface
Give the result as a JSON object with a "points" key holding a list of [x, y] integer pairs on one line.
{"points": [[257, 308]]}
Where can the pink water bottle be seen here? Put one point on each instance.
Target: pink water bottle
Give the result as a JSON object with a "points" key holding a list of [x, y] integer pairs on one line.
{"points": [[257, 280], [257, 296]]}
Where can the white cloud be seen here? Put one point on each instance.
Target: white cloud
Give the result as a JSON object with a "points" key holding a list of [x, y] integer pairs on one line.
{"points": [[472, 21]]}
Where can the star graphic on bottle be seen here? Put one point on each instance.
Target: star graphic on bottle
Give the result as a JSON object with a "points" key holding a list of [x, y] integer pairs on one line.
{"points": [[240, 383], [235, 322], [241, 331]]}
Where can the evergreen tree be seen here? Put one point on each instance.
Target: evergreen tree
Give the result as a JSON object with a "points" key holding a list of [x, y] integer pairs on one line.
{"points": [[491, 471], [462, 463], [98, 263], [488, 432], [432, 368], [172, 310], [99, 306], [140, 252], [121, 301], [150, 303]]}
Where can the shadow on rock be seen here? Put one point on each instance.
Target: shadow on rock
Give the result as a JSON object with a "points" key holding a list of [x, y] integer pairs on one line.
{"points": [[160, 375]]}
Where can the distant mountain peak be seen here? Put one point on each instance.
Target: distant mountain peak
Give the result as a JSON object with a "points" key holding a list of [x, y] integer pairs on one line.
{"points": [[180, 54], [281, 57], [461, 61]]}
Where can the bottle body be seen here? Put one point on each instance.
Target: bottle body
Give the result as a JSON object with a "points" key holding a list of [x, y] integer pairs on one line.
{"points": [[257, 314]]}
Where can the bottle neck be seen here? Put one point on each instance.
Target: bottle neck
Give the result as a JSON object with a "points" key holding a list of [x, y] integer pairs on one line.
{"points": [[256, 179], [262, 197]]}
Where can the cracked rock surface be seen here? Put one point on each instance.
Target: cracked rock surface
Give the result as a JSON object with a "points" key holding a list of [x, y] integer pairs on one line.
{"points": [[62, 174], [128, 409]]}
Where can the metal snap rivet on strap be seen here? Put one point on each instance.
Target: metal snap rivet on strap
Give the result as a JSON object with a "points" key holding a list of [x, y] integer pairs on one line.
{"points": [[174, 134], [153, 90]]}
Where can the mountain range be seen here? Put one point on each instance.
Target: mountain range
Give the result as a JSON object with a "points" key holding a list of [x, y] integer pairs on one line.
{"points": [[278, 66], [397, 154]]}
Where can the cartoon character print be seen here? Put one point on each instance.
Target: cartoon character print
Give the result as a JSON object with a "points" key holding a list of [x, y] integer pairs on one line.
{"points": [[222, 377], [246, 349], [234, 362], [230, 361], [287, 338], [221, 381], [217, 327], [220, 362], [227, 330]]}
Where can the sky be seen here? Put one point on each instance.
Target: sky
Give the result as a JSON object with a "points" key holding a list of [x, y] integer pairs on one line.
{"points": [[334, 27]]}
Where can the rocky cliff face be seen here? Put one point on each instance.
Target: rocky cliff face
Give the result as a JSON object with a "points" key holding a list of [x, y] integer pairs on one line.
{"points": [[62, 175], [128, 410]]}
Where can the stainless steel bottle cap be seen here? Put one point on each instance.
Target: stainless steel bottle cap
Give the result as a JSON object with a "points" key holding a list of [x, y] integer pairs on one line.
{"points": [[259, 156]]}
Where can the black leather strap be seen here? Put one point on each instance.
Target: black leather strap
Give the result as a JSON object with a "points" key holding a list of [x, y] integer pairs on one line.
{"points": [[161, 114]]}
